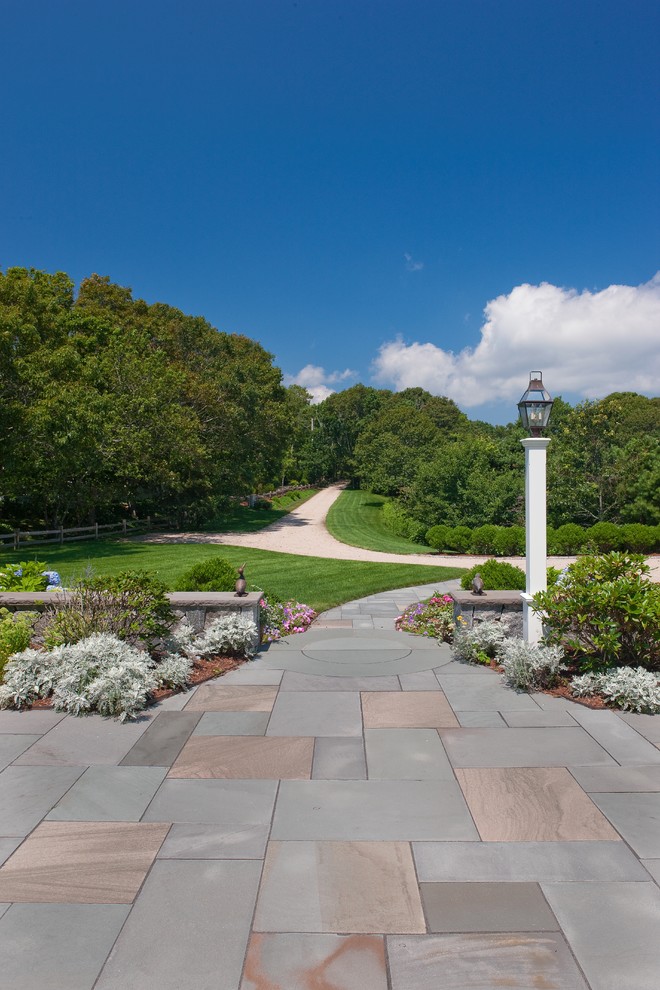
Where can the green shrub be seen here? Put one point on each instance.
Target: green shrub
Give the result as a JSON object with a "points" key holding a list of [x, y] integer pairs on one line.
{"points": [[638, 538], [510, 541], [438, 537], [214, 574], [132, 605], [16, 631], [26, 575], [497, 575], [460, 538], [604, 536], [568, 539], [605, 611], [401, 524], [484, 539]]}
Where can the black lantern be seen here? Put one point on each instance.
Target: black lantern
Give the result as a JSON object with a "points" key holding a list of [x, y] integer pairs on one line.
{"points": [[535, 405]]}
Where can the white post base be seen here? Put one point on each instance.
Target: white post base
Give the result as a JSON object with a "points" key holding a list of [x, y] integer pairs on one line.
{"points": [[532, 623]]}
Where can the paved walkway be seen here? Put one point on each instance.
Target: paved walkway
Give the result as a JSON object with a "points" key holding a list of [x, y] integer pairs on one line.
{"points": [[352, 810]]}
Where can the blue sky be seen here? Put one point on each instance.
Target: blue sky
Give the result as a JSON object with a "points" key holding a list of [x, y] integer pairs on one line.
{"points": [[411, 191]]}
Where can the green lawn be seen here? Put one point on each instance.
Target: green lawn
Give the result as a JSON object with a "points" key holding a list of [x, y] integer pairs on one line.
{"points": [[318, 582], [240, 519], [356, 518]]}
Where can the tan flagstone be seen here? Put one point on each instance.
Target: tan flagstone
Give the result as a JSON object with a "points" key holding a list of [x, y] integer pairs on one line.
{"points": [[82, 862], [530, 804], [407, 710], [246, 757]]}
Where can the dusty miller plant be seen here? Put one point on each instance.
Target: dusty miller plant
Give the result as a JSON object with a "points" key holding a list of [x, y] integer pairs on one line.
{"points": [[480, 644], [633, 689], [230, 633], [531, 667]]}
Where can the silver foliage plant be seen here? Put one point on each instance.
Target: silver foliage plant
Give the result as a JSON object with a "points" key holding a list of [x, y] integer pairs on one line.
{"points": [[99, 673], [531, 667], [632, 689], [483, 642], [230, 633]]}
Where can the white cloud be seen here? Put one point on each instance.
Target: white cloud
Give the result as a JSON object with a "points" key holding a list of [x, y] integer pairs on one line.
{"points": [[317, 381], [411, 264], [586, 343]]}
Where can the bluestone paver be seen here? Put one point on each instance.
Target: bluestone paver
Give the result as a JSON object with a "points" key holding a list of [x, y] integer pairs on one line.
{"points": [[32, 722], [617, 737], [339, 758], [523, 748], [371, 809], [109, 794], [29, 793], [486, 907], [648, 726], [12, 746], [347, 859], [521, 861], [86, 741], [58, 946], [215, 842], [160, 745], [330, 713], [189, 927], [225, 802], [232, 724], [406, 754], [627, 779], [636, 817], [613, 930]]}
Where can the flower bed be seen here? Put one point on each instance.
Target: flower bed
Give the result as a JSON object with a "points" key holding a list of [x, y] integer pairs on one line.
{"points": [[431, 617], [284, 618]]}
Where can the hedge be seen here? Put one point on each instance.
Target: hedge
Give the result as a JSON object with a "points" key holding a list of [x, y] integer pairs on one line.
{"points": [[509, 541]]}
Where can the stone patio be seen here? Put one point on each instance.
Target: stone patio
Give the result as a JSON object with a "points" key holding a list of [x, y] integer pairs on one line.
{"points": [[351, 810]]}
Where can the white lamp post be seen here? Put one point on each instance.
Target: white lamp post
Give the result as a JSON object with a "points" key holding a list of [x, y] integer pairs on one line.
{"points": [[534, 408]]}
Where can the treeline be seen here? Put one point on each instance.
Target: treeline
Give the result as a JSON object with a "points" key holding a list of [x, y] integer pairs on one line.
{"points": [[110, 406], [442, 468]]}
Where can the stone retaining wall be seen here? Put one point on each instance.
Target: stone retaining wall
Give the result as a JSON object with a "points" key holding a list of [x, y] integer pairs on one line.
{"points": [[199, 607], [500, 606]]}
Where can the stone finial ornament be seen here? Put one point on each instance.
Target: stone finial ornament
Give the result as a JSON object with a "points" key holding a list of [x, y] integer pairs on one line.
{"points": [[241, 584], [477, 585]]}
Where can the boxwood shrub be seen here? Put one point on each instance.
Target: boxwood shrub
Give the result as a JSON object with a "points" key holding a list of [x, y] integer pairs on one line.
{"points": [[497, 575], [214, 574]]}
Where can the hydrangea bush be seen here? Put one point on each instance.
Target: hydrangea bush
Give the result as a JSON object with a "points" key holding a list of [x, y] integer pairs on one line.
{"points": [[633, 689], [431, 617], [283, 618], [480, 644]]}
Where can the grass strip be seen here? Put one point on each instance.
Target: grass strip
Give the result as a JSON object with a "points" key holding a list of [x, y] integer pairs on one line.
{"points": [[356, 518], [321, 583]]}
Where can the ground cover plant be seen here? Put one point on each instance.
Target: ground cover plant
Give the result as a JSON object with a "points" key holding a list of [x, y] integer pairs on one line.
{"points": [[358, 519], [105, 674], [482, 643], [431, 617], [321, 583]]}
